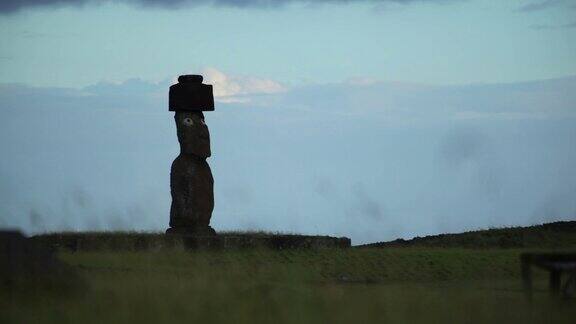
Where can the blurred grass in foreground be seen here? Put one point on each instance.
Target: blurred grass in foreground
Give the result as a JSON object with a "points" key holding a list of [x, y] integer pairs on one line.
{"points": [[361, 285]]}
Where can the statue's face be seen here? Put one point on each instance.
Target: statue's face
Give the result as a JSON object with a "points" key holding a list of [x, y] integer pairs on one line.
{"points": [[193, 133]]}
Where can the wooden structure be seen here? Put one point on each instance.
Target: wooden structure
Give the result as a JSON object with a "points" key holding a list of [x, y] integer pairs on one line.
{"points": [[556, 264]]}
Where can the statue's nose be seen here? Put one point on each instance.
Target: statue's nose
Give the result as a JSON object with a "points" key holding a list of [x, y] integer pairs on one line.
{"points": [[204, 132]]}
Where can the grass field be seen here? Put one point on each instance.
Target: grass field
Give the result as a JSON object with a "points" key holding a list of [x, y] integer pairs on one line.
{"points": [[360, 285]]}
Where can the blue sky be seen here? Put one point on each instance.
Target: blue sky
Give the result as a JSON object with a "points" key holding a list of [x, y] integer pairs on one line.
{"points": [[439, 42], [368, 119]]}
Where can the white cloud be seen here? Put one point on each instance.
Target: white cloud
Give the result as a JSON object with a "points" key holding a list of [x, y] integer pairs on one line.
{"points": [[239, 89]]}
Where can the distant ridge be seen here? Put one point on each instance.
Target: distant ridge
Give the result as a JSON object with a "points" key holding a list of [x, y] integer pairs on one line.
{"points": [[550, 235]]}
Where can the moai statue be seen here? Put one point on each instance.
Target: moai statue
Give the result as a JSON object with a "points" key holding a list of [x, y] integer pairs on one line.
{"points": [[191, 182]]}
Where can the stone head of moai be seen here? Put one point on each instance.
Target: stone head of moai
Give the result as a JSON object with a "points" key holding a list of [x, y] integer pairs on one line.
{"points": [[193, 133], [191, 182]]}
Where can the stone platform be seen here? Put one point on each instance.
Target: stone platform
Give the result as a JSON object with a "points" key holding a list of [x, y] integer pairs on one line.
{"points": [[126, 241]]}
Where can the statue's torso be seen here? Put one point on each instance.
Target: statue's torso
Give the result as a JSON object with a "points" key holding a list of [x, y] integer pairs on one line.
{"points": [[192, 189]]}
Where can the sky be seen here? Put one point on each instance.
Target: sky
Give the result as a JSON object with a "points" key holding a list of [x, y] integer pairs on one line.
{"points": [[373, 119]]}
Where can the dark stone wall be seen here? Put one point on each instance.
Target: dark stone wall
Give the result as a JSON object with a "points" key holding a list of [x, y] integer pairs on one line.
{"points": [[118, 241], [29, 265]]}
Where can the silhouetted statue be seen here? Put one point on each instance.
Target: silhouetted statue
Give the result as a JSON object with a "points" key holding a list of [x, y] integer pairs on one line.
{"points": [[191, 182]]}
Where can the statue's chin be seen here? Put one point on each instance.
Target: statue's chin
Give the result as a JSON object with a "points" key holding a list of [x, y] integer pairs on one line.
{"points": [[202, 152], [197, 146]]}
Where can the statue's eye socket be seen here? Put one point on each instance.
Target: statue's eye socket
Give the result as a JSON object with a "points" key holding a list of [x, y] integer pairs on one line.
{"points": [[187, 121]]}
